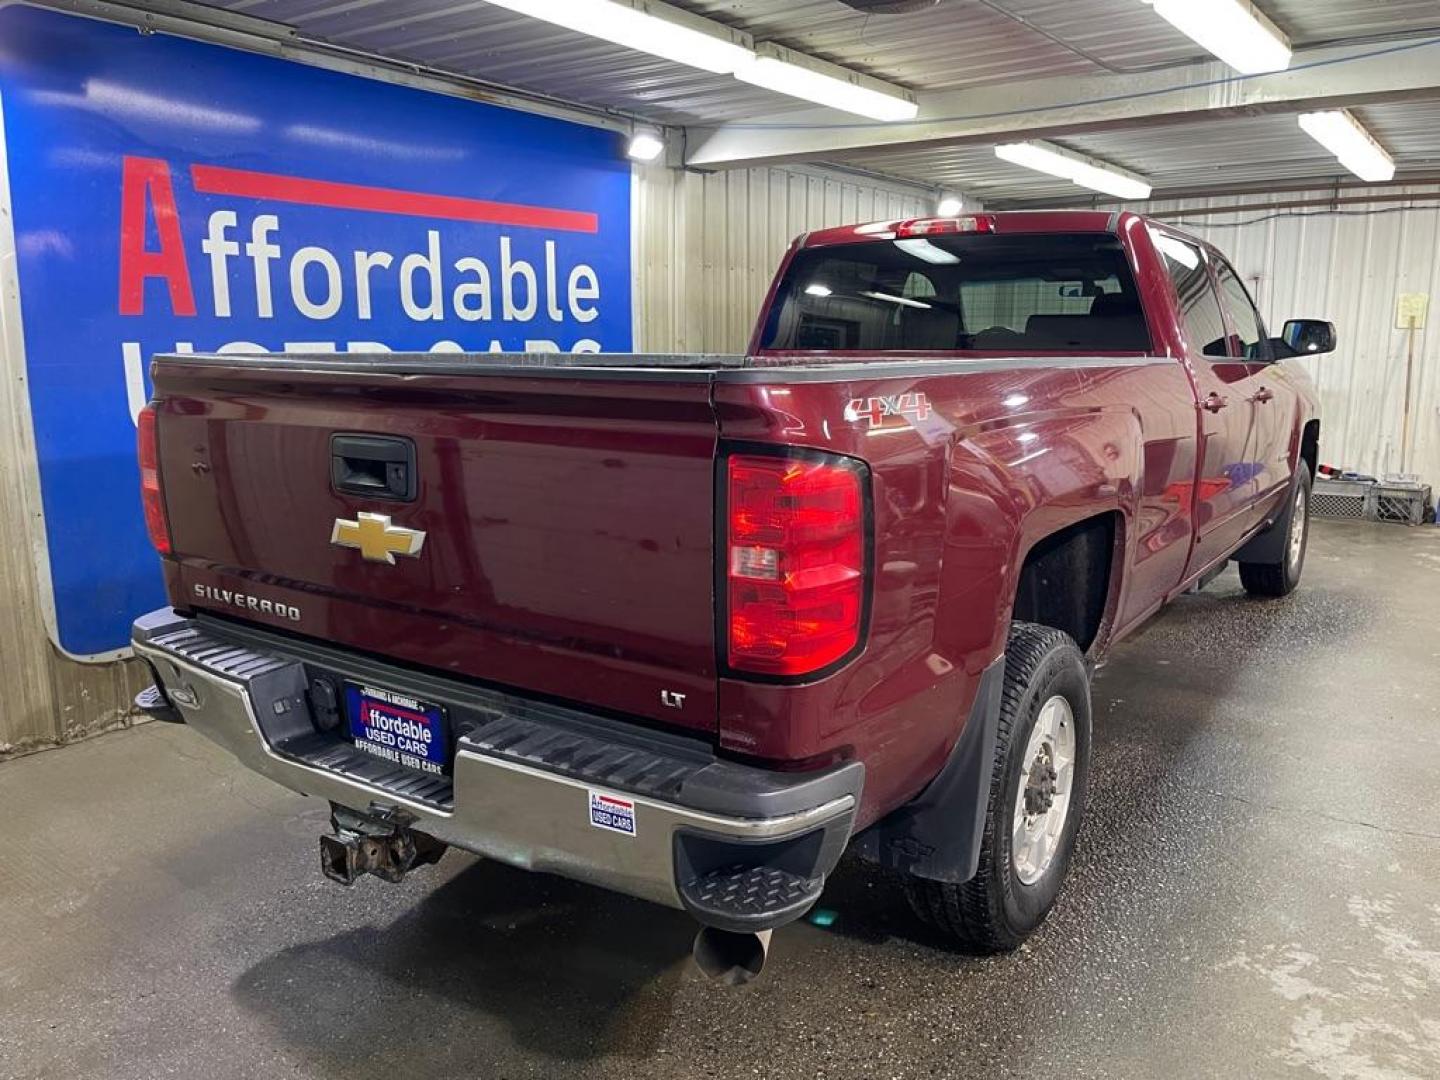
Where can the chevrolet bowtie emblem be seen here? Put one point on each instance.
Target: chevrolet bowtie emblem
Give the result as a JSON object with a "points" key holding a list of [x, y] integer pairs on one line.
{"points": [[375, 538]]}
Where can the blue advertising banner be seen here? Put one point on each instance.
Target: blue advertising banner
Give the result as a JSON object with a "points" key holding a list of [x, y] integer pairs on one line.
{"points": [[171, 196]]}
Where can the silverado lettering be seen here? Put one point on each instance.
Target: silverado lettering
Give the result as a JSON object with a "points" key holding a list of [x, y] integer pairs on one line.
{"points": [[691, 626], [246, 601]]}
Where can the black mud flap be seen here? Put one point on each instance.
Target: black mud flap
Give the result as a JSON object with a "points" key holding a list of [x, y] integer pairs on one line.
{"points": [[938, 834]]}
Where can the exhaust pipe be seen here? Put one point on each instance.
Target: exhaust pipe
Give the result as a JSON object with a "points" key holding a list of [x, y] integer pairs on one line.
{"points": [[730, 957]]}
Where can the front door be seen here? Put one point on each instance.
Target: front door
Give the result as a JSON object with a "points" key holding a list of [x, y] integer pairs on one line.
{"points": [[1273, 400], [1224, 490]]}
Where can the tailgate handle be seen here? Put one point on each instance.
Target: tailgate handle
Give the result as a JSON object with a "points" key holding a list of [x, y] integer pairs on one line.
{"points": [[373, 466]]}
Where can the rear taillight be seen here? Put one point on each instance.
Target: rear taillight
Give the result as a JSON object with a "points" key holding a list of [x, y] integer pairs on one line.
{"points": [[150, 497], [795, 562]]}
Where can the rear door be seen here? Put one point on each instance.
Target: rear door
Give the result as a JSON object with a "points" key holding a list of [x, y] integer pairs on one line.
{"points": [[1224, 491], [567, 518]]}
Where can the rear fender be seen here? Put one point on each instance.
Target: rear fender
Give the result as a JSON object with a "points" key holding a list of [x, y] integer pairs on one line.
{"points": [[1010, 488]]}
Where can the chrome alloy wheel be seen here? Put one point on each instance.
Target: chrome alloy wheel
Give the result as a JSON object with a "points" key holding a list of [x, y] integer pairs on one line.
{"points": [[1297, 528], [1047, 779]]}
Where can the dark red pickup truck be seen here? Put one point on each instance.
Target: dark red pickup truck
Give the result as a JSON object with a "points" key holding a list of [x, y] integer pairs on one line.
{"points": [[688, 627]]}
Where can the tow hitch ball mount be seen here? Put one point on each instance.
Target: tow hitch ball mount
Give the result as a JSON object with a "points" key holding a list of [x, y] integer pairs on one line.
{"points": [[380, 843]]}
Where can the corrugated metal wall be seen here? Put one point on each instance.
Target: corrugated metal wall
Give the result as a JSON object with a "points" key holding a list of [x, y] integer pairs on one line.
{"points": [[709, 244], [1348, 264], [45, 698], [706, 247]]}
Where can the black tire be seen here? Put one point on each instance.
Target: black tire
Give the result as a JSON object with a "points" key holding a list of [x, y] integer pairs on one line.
{"points": [[1279, 575], [995, 910]]}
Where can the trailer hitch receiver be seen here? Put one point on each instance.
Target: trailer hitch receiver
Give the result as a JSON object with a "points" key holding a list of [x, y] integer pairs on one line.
{"points": [[380, 843]]}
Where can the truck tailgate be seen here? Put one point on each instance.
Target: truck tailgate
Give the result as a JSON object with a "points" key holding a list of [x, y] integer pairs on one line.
{"points": [[567, 515]]}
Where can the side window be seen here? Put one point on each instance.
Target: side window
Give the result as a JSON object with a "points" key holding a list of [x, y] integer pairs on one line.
{"points": [[1241, 309], [1199, 310], [918, 287]]}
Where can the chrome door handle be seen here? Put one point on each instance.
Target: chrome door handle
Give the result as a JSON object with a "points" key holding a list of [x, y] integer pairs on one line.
{"points": [[1214, 402], [1264, 395]]}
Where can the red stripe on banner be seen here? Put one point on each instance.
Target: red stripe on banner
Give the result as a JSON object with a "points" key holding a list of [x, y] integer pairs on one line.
{"points": [[407, 713], [217, 180]]}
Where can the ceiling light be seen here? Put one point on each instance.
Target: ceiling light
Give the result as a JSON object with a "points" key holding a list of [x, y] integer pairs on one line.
{"points": [[924, 249], [1356, 148], [646, 144], [1234, 30], [817, 290], [646, 26], [1082, 170], [949, 205], [788, 72], [905, 301]]}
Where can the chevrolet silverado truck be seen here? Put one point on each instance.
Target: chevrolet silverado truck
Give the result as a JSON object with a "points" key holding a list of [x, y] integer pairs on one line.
{"points": [[688, 627]]}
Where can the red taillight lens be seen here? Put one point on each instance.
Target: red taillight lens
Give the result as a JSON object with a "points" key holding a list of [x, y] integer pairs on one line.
{"points": [[154, 503], [795, 563]]}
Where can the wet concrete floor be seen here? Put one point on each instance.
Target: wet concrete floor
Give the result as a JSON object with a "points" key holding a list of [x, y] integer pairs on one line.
{"points": [[1257, 893]]}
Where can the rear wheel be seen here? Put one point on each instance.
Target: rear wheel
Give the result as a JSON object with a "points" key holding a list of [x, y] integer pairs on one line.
{"points": [[1037, 797], [1280, 575]]}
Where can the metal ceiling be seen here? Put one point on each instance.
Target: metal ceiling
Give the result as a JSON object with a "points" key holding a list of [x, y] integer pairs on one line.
{"points": [[955, 44], [1205, 155], [958, 43]]}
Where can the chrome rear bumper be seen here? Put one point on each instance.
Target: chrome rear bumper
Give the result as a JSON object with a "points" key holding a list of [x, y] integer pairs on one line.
{"points": [[249, 692]]}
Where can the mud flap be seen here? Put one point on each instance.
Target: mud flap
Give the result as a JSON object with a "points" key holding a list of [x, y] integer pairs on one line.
{"points": [[938, 834], [1268, 545]]}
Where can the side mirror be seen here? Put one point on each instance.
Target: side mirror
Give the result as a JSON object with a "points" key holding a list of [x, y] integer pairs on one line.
{"points": [[1308, 337]]}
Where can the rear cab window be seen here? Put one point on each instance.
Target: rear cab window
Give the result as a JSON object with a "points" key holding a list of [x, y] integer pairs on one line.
{"points": [[961, 293]]}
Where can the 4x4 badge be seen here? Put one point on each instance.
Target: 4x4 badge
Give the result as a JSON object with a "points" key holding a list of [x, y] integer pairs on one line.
{"points": [[876, 410], [375, 538]]}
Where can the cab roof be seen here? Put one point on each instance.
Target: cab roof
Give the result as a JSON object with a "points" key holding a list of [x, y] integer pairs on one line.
{"points": [[1005, 221]]}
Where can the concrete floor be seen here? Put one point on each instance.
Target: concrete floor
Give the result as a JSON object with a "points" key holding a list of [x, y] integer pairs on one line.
{"points": [[1257, 893]]}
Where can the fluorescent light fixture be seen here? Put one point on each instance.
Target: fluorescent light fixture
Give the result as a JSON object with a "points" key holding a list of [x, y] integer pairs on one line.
{"points": [[646, 26], [818, 290], [657, 28], [904, 301], [646, 144], [924, 249], [949, 206], [1234, 30], [1345, 137], [1082, 170], [788, 72]]}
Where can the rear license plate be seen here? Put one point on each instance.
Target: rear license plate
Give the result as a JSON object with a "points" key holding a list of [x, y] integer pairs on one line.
{"points": [[398, 728]]}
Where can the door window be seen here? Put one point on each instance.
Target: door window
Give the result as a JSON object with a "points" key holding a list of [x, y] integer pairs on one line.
{"points": [[1199, 310], [1249, 341]]}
